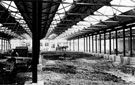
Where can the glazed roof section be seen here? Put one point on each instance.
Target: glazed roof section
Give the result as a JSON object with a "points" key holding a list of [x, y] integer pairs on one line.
{"points": [[69, 18], [10, 20], [88, 16], [48, 10]]}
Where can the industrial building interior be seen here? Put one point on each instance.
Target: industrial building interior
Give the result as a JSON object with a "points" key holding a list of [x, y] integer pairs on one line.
{"points": [[67, 42]]}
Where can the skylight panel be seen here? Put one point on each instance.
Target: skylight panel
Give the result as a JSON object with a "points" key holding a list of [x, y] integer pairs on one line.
{"points": [[83, 23], [133, 27], [77, 27], [96, 18], [90, 19], [70, 1], [10, 5], [105, 10], [12, 8], [124, 9], [13, 14], [56, 17], [122, 2], [6, 2], [19, 16], [62, 15], [23, 25], [60, 9], [17, 20], [57, 22], [51, 25], [54, 22], [74, 26], [63, 8], [6, 5], [118, 7], [13, 4], [22, 21], [66, 7]]}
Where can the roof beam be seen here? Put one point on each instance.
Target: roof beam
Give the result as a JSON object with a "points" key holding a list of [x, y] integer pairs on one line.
{"points": [[78, 3], [102, 15], [87, 4], [9, 23]]}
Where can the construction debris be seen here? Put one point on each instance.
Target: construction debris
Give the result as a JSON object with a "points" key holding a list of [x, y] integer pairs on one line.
{"points": [[78, 71]]}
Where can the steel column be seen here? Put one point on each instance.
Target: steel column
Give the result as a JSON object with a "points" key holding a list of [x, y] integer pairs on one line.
{"points": [[110, 43], [9, 44], [131, 54], [9, 47], [78, 44], [124, 53], [100, 41], [84, 44], [89, 44], [70, 45], [36, 25], [116, 42], [113, 42], [96, 42], [4, 45], [73, 45], [104, 42], [92, 44], [1, 44]]}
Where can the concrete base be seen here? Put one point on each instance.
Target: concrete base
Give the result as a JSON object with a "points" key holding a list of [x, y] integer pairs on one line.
{"points": [[112, 57], [38, 83], [125, 60], [34, 84], [116, 58], [105, 56], [132, 60]]}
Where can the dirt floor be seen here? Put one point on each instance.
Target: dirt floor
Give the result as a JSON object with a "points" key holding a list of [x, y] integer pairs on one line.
{"points": [[72, 70]]}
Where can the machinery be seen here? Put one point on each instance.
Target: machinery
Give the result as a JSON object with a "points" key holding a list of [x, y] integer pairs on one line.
{"points": [[14, 64]]}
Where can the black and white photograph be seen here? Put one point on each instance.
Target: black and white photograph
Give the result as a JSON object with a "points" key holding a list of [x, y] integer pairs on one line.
{"points": [[67, 42]]}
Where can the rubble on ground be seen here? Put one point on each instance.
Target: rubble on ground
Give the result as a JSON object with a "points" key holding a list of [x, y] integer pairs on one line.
{"points": [[80, 71]]}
